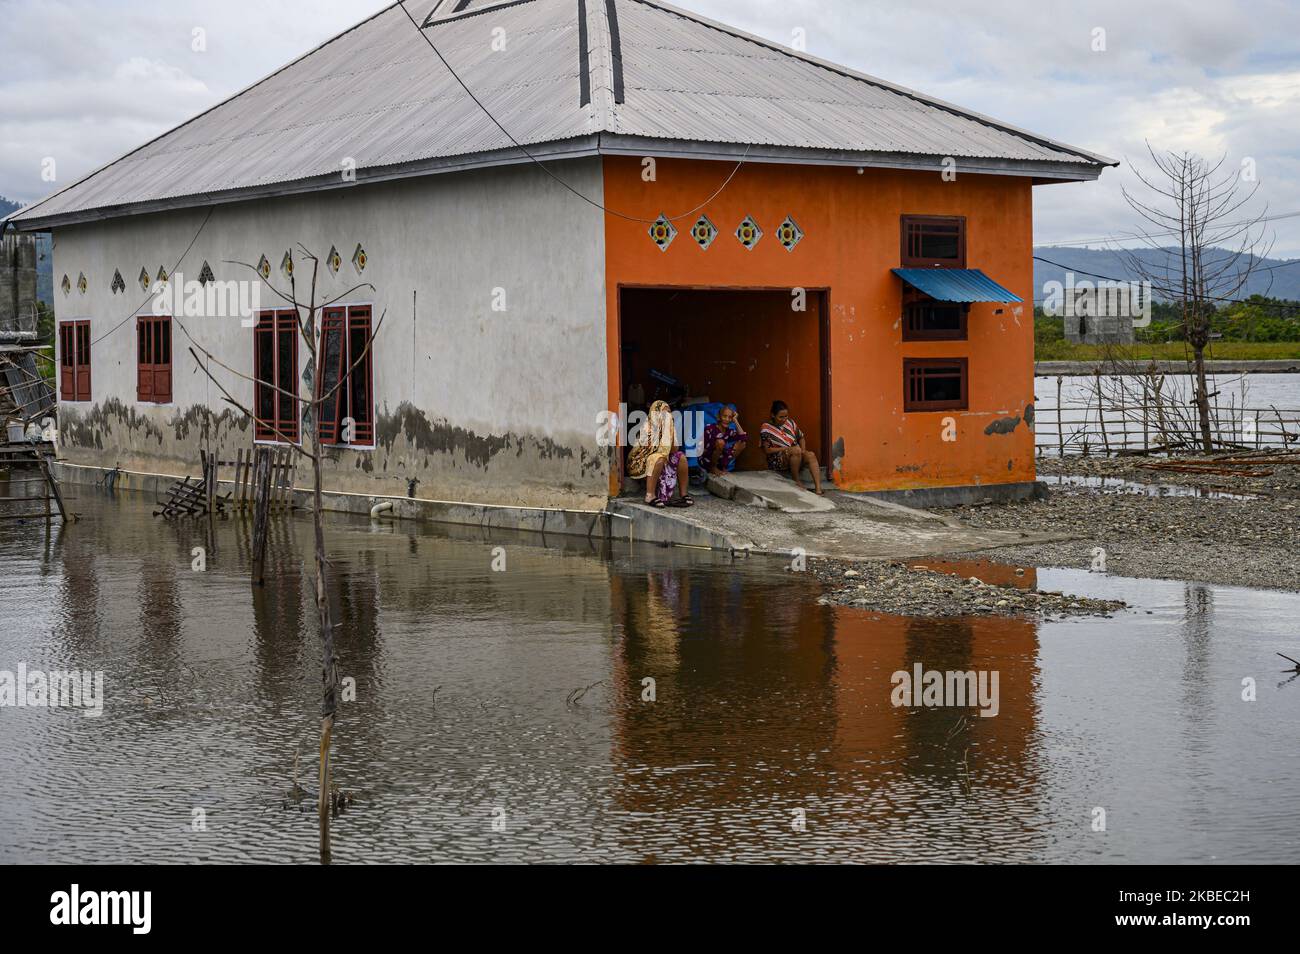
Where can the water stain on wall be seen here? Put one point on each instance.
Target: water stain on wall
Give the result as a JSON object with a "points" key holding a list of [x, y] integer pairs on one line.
{"points": [[442, 437], [113, 422], [1003, 425]]}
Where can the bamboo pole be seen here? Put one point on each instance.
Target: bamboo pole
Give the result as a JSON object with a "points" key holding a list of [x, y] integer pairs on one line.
{"points": [[1101, 417], [1060, 427]]}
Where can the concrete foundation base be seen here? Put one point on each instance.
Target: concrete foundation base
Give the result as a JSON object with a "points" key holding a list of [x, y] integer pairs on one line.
{"points": [[583, 523], [860, 526], [961, 496]]}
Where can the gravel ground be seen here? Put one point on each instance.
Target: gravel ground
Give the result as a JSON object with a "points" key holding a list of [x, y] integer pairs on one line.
{"points": [[1158, 524], [906, 590]]}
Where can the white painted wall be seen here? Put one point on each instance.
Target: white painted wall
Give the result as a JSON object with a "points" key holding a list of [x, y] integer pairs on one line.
{"points": [[480, 405]]}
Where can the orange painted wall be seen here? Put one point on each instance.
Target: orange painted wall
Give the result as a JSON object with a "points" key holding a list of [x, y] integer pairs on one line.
{"points": [[851, 241]]}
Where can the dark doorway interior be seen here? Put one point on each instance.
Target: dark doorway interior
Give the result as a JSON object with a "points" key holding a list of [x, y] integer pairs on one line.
{"points": [[744, 347]]}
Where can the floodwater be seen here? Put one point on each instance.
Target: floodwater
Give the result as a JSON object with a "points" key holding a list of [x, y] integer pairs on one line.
{"points": [[771, 713], [1234, 390]]}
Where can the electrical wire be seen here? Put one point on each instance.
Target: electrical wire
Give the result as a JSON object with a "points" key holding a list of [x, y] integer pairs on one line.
{"points": [[170, 274], [520, 146], [1080, 271], [1134, 236]]}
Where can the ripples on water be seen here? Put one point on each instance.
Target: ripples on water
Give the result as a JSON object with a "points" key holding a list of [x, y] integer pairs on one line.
{"points": [[765, 703]]}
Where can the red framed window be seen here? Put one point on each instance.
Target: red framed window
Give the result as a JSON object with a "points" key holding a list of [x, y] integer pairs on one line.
{"points": [[935, 384], [925, 319], [347, 384], [74, 360], [934, 241], [275, 368], [153, 335]]}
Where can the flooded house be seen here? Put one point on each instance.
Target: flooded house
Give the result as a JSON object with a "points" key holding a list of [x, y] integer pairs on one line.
{"points": [[556, 206]]}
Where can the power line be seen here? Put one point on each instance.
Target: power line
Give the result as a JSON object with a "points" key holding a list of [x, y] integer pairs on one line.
{"points": [[136, 312], [1134, 236], [520, 146], [632, 218], [1080, 271]]}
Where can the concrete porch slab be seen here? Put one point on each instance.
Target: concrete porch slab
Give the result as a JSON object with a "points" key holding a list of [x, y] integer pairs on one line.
{"points": [[856, 529], [764, 488]]}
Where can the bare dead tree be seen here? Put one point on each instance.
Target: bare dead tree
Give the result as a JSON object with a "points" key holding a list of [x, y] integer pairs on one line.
{"points": [[311, 327], [1204, 248]]}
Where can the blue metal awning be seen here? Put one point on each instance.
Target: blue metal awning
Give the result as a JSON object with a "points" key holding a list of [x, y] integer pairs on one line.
{"points": [[955, 284]]}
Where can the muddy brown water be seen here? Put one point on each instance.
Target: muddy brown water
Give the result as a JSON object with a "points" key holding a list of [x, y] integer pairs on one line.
{"points": [[766, 706]]}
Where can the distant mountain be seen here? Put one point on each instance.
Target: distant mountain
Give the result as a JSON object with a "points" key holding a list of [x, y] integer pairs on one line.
{"points": [[44, 256], [1275, 277]]}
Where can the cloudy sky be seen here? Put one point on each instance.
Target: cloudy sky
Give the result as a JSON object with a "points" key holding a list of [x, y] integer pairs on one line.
{"points": [[87, 80]]}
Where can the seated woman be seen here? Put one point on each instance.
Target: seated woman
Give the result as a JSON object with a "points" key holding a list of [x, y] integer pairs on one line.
{"points": [[658, 458], [723, 442], [783, 442]]}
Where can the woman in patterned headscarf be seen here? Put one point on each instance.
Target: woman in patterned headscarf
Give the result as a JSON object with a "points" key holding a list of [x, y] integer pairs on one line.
{"points": [[658, 458]]}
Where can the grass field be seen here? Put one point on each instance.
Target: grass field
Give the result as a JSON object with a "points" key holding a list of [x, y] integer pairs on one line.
{"points": [[1168, 351]]}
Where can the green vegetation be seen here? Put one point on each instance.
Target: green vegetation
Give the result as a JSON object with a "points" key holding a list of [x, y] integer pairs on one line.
{"points": [[1256, 329]]}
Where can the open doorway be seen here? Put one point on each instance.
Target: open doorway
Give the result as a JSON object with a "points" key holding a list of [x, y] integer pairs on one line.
{"points": [[744, 347]]}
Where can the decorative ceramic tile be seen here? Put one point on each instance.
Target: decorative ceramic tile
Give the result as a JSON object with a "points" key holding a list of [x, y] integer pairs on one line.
{"points": [[144, 279], [704, 232], [119, 284], [264, 268], [334, 260], [359, 259], [789, 234], [205, 274], [662, 233], [286, 265], [748, 232], [66, 285], [163, 277], [82, 284]]}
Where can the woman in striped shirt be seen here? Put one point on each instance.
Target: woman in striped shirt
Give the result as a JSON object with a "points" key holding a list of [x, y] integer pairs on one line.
{"points": [[784, 444]]}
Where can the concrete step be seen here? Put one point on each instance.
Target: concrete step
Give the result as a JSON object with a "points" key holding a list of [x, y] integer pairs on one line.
{"points": [[765, 488]]}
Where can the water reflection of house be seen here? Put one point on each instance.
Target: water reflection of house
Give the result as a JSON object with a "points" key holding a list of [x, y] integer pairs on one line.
{"points": [[870, 235], [793, 700]]}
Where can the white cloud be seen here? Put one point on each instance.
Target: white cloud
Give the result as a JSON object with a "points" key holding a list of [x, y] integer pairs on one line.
{"points": [[87, 81]]}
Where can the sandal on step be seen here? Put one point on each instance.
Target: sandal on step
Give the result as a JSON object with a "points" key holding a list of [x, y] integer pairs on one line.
{"points": [[657, 503], [685, 501]]}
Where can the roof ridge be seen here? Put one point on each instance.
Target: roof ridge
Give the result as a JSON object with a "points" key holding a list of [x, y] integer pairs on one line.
{"points": [[600, 64], [876, 81]]}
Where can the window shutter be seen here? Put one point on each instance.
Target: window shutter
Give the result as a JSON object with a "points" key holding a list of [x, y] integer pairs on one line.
{"points": [[162, 371], [67, 371], [83, 361], [334, 346], [144, 361]]}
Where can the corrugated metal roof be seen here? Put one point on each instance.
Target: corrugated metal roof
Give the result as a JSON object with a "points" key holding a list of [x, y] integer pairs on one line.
{"points": [[378, 96], [689, 80], [956, 284]]}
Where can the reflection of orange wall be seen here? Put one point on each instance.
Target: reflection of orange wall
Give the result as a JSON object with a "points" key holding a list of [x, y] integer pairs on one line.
{"points": [[986, 571], [851, 226], [870, 648], [746, 348]]}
